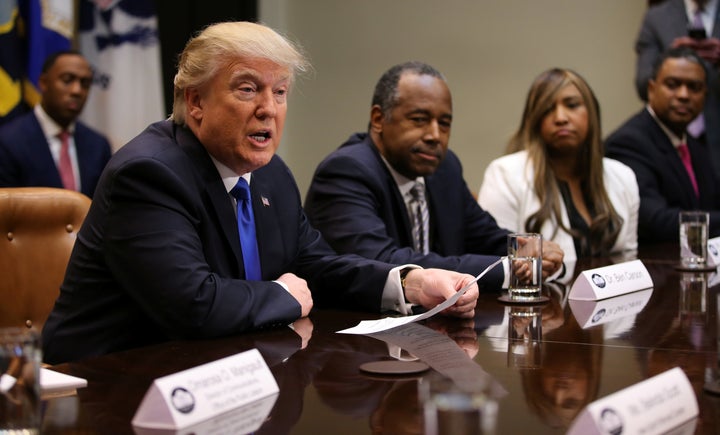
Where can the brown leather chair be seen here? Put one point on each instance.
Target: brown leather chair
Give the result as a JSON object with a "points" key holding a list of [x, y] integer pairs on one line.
{"points": [[38, 227]]}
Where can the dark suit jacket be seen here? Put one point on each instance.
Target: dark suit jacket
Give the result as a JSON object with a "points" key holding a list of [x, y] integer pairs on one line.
{"points": [[354, 201], [158, 256], [25, 158], [664, 184], [661, 24]]}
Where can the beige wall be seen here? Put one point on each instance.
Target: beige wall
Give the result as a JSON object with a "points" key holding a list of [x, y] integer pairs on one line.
{"points": [[489, 50]]}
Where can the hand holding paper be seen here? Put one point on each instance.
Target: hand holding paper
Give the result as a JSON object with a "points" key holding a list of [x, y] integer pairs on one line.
{"points": [[372, 326], [430, 287]]}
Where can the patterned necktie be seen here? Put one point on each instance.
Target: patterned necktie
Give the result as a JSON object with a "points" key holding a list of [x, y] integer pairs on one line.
{"points": [[419, 213], [687, 162], [65, 165], [246, 227]]}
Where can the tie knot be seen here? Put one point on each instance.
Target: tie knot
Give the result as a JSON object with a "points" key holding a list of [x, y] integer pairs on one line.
{"points": [[64, 135], [241, 191], [683, 150], [418, 191]]}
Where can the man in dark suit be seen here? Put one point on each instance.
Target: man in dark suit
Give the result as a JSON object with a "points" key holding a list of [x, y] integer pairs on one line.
{"points": [[161, 254], [361, 196], [668, 25], [33, 151], [653, 142]]}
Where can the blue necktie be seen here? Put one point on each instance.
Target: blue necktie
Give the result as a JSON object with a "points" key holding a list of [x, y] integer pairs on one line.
{"points": [[246, 227]]}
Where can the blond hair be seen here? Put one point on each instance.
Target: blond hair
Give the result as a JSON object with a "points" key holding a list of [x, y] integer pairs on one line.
{"points": [[221, 43]]}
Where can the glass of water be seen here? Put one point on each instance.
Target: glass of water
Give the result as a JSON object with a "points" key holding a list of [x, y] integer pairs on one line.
{"points": [[693, 238], [525, 259], [452, 408], [20, 357]]}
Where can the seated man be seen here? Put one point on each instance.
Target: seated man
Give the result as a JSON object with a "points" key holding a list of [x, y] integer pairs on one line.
{"points": [[163, 255], [397, 194], [49, 146], [655, 142]]}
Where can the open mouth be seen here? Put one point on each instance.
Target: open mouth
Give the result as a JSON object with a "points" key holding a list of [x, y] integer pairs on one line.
{"points": [[261, 136]]}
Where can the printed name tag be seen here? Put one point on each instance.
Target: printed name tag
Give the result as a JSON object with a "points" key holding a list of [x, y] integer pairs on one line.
{"points": [[653, 406], [192, 396], [606, 282], [591, 313]]}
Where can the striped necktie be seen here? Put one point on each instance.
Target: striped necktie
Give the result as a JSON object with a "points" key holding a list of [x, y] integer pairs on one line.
{"points": [[419, 213]]}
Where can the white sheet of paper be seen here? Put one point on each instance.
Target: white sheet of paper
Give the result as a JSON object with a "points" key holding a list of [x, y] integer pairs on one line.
{"points": [[373, 326]]}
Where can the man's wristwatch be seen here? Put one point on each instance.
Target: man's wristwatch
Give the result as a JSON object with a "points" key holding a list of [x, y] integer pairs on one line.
{"points": [[403, 275]]}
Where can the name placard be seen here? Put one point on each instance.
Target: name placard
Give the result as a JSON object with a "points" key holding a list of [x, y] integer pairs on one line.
{"points": [[591, 313], [192, 396], [606, 282], [714, 251], [653, 406]]}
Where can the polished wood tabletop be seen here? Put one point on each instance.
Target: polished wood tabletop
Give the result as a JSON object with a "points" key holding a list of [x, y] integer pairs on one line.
{"points": [[547, 380]]}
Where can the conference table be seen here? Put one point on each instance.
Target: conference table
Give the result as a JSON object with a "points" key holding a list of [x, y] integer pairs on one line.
{"points": [[545, 381]]}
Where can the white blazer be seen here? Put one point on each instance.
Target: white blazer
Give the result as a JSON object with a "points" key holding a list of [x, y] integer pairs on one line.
{"points": [[507, 194]]}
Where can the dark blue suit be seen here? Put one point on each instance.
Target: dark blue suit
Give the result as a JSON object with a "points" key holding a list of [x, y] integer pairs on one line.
{"points": [[158, 256], [664, 184], [354, 201], [26, 161]]}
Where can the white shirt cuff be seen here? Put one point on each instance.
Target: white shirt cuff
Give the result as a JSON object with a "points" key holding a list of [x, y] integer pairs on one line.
{"points": [[393, 297]]}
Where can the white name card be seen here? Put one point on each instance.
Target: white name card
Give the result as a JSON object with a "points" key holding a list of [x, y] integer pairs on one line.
{"points": [[591, 313], [606, 282], [192, 396], [714, 251], [653, 406]]}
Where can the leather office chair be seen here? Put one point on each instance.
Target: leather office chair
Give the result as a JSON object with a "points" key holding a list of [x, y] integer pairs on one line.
{"points": [[38, 228]]}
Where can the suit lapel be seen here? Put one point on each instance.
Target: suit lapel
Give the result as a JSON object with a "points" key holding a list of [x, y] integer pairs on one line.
{"points": [[219, 200], [672, 158], [265, 220], [41, 152]]}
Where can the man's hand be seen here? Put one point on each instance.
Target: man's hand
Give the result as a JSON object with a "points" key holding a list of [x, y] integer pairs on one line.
{"points": [[552, 258], [299, 290], [429, 287], [708, 48]]}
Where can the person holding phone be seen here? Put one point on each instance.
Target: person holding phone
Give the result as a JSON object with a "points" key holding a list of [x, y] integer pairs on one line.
{"points": [[685, 23]]}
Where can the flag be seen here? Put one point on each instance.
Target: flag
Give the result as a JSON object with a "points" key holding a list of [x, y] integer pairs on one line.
{"points": [[120, 40], [30, 30]]}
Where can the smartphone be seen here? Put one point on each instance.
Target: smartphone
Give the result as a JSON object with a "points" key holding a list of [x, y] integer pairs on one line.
{"points": [[697, 33]]}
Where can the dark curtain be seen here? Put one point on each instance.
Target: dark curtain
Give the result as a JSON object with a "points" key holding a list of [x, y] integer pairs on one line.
{"points": [[179, 20]]}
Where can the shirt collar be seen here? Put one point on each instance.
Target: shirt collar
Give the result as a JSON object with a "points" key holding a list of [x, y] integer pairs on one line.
{"points": [[229, 177], [48, 125], [403, 183], [674, 139]]}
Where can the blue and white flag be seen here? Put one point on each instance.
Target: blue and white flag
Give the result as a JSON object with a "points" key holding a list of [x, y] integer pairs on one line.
{"points": [[120, 40], [30, 30]]}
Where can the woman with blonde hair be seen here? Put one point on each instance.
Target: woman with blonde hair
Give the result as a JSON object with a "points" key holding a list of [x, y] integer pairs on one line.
{"points": [[556, 180]]}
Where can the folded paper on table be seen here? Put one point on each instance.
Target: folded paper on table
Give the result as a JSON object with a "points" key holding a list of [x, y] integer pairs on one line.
{"points": [[653, 406], [591, 313], [52, 382], [195, 395], [606, 282], [373, 326]]}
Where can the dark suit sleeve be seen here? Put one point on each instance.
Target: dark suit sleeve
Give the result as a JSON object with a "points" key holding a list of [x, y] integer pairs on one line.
{"points": [[348, 204], [648, 48], [156, 248]]}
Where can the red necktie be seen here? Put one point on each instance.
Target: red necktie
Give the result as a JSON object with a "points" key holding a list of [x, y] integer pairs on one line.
{"points": [[685, 157], [66, 170]]}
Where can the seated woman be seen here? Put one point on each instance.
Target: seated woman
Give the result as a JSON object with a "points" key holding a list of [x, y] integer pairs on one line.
{"points": [[557, 181]]}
